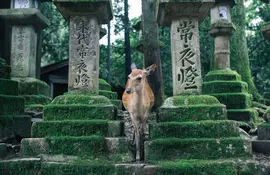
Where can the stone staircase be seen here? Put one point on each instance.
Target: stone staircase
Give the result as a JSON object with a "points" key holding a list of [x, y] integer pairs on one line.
{"points": [[227, 87]]}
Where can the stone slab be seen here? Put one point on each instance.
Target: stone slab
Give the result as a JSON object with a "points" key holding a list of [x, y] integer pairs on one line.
{"points": [[261, 146], [22, 126], [11, 105], [102, 9], [169, 10], [224, 86], [8, 87], [6, 128], [264, 132], [245, 115], [30, 16]]}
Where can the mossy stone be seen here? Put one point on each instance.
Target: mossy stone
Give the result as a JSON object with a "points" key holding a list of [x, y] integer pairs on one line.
{"points": [[264, 131], [5, 69], [79, 112], [32, 86], [199, 129], [190, 100], [108, 94], [11, 105], [191, 113], [117, 103], [234, 100], [204, 148], [77, 128], [6, 127], [8, 87], [103, 85], [81, 99], [222, 75], [36, 99], [265, 101], [266, 95], [224, 86], [33, 147], [245, 115], [266, 115]]}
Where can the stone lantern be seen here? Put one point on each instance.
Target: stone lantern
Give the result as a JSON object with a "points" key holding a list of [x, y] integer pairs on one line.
{"points": [[18, 4]]}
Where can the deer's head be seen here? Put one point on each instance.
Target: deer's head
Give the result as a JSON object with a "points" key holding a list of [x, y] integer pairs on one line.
{"points": [[137, 78]]}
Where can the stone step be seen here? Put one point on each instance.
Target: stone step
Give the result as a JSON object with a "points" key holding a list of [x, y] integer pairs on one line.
{"points": [[117, 103], [195, 148], [17, 125], [79, 112], [22, 166], [108, 94], [8, 87], [245, 115], [224, 86], [261, 146], [265, 101], [36, 99], [92, 147], [234, 100], [264, 131], [78, 128], [11, 105], [223, 75], [201, 129], [192, 113]]}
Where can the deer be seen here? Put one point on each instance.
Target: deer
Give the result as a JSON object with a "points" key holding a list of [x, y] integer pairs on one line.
{"points": [[138, 99]]}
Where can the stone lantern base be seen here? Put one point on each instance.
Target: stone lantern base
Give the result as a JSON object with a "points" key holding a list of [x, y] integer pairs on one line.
{"points": [[227, 87]]}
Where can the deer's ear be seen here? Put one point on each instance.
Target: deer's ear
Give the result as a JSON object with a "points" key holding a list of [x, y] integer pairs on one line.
{"points": [[133, 66], [150, 69]]}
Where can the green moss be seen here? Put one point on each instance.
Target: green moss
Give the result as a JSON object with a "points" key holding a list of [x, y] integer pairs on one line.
{"points": [[198, 167], [235, 100], [108, 94], [79, 112], [6, 127], [117, 103], [33, 147], [265, 101], [81, 99], [189, 100], [224, 86], [20, 167], [246, 115], [77, 168], [266, 95], [91, 147], [201, 129], [8, 87], [223, 75], [191, 113], [32, 86], [11, 105], [36, 99], [103, 85], [77, 128], [4, 69], [259, 105], [174, 148]]}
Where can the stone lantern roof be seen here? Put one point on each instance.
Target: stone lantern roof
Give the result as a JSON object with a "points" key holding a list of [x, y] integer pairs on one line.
{"points": [[230, 2]]}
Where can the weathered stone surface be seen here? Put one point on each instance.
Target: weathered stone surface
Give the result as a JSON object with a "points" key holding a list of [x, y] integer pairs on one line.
{"points": [[8, 87], [34, 146], [186, 64], [246, 115], [22, 126], [169, 10], [84, 55], [261, 146], [30, 16], [102, 9], [11, 105], [221, 10], [23, 51], [24, 4], [264, 132]]}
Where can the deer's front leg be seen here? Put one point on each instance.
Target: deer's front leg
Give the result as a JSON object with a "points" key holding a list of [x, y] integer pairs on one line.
{"points": [[136, 125]]}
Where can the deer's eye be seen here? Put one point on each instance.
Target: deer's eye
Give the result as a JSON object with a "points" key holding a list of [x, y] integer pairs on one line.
{"points": [[139, 78]]}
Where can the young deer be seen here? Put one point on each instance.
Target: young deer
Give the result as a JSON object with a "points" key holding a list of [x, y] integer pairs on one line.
{"points": [[138, 99]]}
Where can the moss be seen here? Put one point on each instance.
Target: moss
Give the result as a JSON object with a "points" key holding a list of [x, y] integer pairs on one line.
{"points": [[266, 95], [32, 86], [8, 87], [77, 168], [108, 94], [259, 105], [117, 103], [11, 105], [239, 50], [191, 113], [4, 69], [174, 148], [20, 167], [36, 99], [103, 85], [198, 167], [77, 128], [224, 86], [265, 101], [223, 75], [77, 112], [246, 115], [33, 147], [81, 99], [235, 100], [201, 129], [6, 127], [187, 100], [91, 147]]}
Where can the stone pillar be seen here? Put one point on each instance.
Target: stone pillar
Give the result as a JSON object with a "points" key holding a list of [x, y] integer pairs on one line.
{"points": [[183, 18], [85, 19], [222, 29]]}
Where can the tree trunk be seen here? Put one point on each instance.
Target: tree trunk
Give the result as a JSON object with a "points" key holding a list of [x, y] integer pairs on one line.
{"points": [[151, 48], [239, 50], [109, 54], [127, 40]]}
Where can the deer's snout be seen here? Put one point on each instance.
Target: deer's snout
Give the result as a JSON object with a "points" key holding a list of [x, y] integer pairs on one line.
{"points": [[128, 90]]}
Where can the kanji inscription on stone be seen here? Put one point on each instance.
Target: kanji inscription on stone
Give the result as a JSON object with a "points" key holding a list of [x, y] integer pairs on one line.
{"points": [[186, 56], [84, 54], [21, 4]]}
